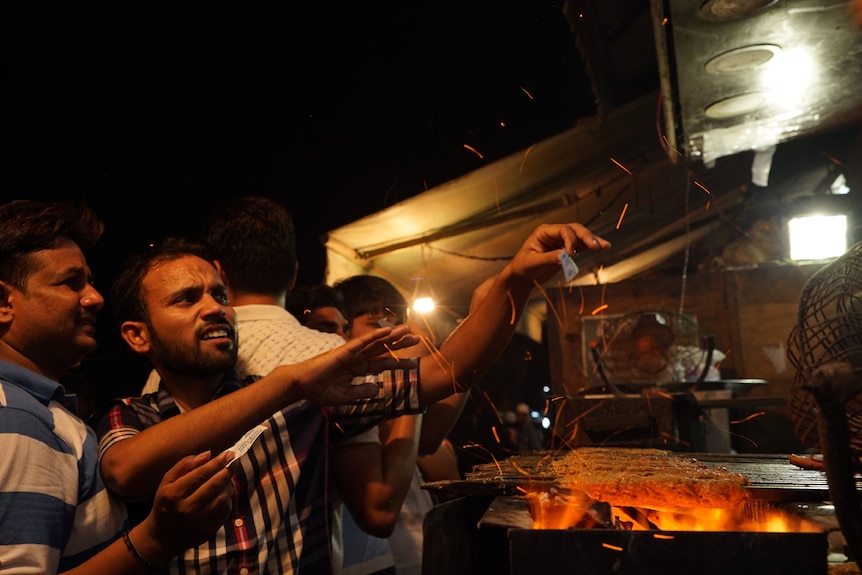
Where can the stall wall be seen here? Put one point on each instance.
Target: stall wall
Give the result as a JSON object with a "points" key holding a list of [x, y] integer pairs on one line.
{"points": [[749, 312]]}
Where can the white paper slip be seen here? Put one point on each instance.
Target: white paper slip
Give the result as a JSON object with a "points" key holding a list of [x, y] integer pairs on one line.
{"points": [[570, 268], [245, 442]]}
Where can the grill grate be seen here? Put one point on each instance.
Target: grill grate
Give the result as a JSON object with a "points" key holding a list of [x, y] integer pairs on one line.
{"points": [[772, 477]]}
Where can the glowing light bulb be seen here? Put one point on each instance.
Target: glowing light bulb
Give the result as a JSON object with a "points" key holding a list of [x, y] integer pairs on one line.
{"points": [[817, 237], [423, 305]]}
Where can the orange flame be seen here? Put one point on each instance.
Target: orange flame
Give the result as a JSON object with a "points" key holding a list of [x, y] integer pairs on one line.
{"points": [[572, 510]]}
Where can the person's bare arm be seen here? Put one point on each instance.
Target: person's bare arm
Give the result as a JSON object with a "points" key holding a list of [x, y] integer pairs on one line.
{"points": [[442, 465], [373, 479], [441, 415], [133, 466], [477, 343]]}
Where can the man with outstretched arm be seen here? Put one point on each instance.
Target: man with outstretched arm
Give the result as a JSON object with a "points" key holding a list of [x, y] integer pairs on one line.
{"points": [[285, 526]]}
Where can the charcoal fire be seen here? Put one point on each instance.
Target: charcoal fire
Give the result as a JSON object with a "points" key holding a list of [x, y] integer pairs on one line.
{"points": [[523, 515], [571, 509]]}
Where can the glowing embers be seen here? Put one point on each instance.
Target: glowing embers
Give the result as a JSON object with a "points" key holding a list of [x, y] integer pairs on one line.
{"points": [[556, 509]]}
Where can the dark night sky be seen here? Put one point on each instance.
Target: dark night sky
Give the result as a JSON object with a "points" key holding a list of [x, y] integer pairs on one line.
{"points": [[152, 111]]}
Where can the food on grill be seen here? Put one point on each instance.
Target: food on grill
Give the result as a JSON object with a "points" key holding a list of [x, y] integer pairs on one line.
{"points": [[649, 478], [813, 461]]}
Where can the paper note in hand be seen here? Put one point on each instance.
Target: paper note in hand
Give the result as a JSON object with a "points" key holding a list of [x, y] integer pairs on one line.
{"points": [[245, 442], [570, 268]]}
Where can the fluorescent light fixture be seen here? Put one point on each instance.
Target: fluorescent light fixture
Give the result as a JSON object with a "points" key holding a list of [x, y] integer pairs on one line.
{"points": [[817, 237], [423, 305]]}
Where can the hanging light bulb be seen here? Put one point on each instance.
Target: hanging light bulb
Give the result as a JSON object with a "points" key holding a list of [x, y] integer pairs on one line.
{"points": [[423, 305], [423, 297]]}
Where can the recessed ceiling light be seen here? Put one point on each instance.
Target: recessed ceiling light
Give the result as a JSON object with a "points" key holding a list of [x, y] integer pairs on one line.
{"points": [[741, 59], [735, 105]]}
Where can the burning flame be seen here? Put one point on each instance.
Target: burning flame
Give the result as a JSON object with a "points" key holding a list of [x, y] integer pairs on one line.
{"points": [[578, 511]]}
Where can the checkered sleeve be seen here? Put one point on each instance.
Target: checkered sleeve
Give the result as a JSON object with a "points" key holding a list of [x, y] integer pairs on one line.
{"points": [[125, 418], [398, 395]]}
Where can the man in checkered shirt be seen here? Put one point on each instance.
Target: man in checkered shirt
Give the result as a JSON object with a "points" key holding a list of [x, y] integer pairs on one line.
{"points": [[284, 518]]}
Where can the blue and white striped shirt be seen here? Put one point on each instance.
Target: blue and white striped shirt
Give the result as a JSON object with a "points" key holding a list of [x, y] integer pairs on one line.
{"points": [[55, 512]]}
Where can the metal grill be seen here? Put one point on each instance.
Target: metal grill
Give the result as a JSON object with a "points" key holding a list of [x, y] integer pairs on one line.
{"points": [[488, 530]]}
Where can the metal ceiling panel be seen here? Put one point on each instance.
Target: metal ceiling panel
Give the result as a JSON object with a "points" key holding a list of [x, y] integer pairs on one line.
{"points": [[742, 75]]}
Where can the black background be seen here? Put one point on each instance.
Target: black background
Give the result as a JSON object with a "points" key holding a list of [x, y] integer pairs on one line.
{"points": [[152, 111]]}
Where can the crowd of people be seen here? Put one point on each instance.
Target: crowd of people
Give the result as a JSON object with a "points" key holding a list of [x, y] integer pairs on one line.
{"points": [[259, 435]]}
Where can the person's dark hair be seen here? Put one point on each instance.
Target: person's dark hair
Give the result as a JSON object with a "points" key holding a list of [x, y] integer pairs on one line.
{"points": [[306, 298], [127, 302], [254, 240], [28, 226], [371, 294]]}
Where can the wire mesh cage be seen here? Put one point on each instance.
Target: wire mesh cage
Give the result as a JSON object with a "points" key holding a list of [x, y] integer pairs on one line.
{"points": [[828, 331]]}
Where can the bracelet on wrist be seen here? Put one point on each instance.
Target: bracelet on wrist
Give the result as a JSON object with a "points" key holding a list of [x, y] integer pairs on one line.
{"points": [[140, 558]]}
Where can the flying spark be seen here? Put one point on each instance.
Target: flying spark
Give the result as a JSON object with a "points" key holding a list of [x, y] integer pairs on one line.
{"points": [[622, 215], [601, 308], [474, 150], [750, 417], [702, 187], [622, 167], [524, 159]]}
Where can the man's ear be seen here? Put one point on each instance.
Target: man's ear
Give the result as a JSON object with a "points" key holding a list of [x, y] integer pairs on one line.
{"points": [[136, 335], [5, 304]]}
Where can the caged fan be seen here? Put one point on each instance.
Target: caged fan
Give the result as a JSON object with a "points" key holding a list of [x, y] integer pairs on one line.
{"points": [[653, 347], [825, 347]]}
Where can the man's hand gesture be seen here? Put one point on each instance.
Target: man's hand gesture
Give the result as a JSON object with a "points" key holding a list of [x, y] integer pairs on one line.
{"points": [[331, 378]]}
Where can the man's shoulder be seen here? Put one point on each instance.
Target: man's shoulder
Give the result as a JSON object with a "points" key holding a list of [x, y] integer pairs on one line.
{"points": [[263, 312], [148, 407], [280, 333], [27, 403], [26, 421], [270, 336], [252, 319], [27, 385], [27, 409], [262, 350], [12, 395]]}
